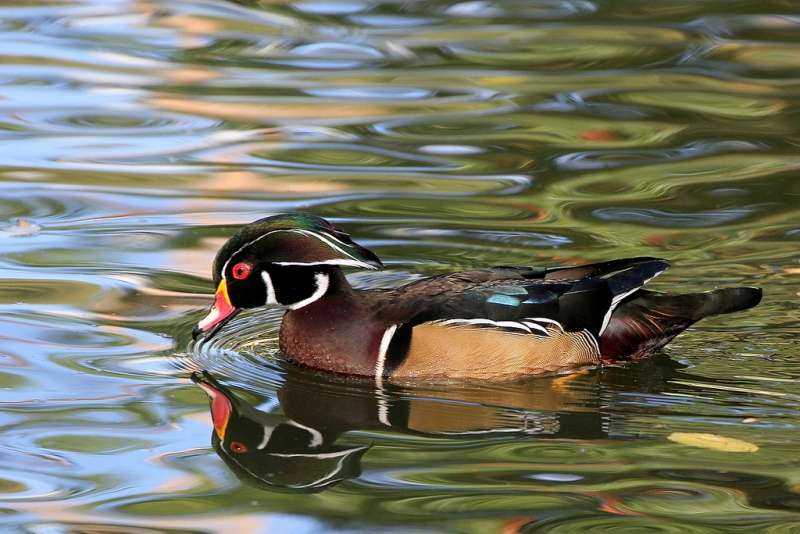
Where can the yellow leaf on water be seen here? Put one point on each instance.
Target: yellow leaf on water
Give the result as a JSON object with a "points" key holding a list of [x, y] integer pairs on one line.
{"points": [[712, 441]]}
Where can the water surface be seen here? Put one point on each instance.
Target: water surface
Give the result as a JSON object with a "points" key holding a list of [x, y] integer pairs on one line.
{"points": [[136, 135]]}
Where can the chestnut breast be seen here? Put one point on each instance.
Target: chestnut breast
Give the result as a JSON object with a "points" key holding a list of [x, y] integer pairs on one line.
{"points": [[334, 334]]}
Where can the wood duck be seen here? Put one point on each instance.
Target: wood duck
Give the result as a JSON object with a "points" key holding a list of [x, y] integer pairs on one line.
{"points": [[499, 323]]}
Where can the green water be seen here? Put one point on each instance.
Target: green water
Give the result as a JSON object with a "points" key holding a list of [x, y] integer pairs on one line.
{"points": [[136, 135]]}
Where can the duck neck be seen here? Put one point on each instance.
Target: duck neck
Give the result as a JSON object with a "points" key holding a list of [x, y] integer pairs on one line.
{"points": [[338, 295], [334, 332]]}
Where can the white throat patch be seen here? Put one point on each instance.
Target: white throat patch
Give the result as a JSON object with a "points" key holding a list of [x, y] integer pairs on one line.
{"points": [[271, 299], [322, 281]]}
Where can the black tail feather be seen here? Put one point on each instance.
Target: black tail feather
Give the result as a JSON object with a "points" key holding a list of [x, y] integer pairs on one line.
{"points": [[647, 321], [727, 300]]}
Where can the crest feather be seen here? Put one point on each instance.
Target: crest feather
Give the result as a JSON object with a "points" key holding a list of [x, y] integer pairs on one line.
{"points": [[294, 239]]}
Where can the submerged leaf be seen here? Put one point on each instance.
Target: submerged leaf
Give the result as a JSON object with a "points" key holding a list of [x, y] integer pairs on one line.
{"points": [[712, 441]]}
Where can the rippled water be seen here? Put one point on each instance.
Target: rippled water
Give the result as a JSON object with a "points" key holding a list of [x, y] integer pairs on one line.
{"points": [[137, 134]]}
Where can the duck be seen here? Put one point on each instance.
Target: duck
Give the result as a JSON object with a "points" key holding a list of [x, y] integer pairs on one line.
{"points": [[498, 323]]}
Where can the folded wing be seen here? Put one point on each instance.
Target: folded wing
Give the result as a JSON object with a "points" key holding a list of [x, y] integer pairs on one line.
{"points": [[511, 321]]}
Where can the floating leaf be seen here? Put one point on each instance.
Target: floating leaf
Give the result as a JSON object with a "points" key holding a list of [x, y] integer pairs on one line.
{"points": [[712, 441], [600, 135]]}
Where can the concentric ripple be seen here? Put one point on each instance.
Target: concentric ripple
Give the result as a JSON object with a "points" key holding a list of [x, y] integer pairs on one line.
{"points": [[137, 136]]}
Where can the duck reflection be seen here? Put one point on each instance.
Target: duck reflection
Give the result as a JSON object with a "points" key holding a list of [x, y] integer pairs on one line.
{"points": [[296, 447], [272, 450]]}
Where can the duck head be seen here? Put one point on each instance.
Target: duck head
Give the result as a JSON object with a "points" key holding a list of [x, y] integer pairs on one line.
{"points": [[286, 260]]}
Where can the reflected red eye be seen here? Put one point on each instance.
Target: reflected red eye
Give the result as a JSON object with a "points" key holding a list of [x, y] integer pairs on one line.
{"points": [[238, 447], [241, 270]]}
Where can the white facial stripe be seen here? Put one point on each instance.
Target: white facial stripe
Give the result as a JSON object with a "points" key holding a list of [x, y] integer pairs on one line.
{"points": [[323, 239], [267, 434], [356, 262], [271, 299], [322, 282], [342, 262], [327, 240], [306, 455], [316, 437], [225, 265], [331, 473]]}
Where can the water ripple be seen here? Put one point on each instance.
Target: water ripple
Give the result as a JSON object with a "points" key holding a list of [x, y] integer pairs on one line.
{"points": [[137, 136]]}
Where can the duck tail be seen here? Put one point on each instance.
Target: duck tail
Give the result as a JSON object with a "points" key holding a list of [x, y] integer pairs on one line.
{"points": [[646, 321], [726, 300]]}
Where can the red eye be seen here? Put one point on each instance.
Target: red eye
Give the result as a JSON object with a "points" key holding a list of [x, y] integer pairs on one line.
{"points": [[241, 270], [238, 447]]}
